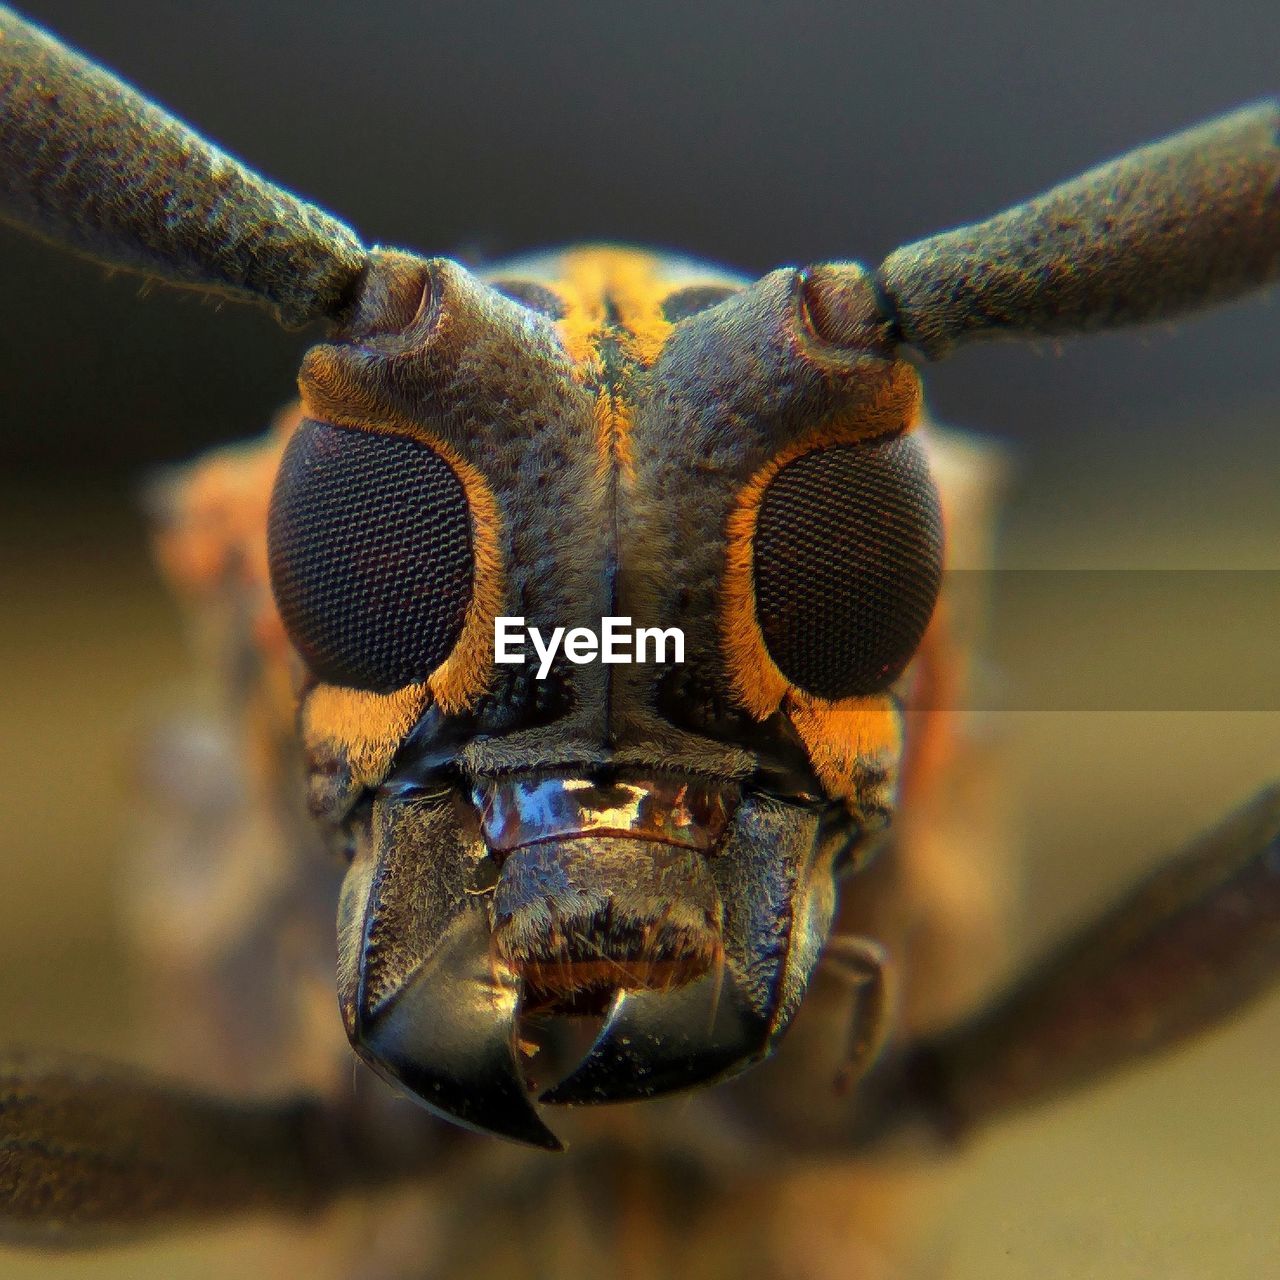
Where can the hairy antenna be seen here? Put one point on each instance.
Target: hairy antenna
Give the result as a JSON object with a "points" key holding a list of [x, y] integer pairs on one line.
{"points": [[89, 163]]}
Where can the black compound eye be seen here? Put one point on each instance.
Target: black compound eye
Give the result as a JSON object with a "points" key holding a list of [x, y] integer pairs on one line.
{"points": [[369, 540], [847, 564]]}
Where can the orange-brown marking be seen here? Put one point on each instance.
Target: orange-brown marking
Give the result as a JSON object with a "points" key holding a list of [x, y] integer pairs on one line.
{"points": [[562, 958], [758, 682], [610, 292], [854, 744], [850, 735], [364, 730], [612, 416], [612, 295]]}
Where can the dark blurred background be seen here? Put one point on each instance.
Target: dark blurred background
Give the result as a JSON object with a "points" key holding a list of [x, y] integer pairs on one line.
{"points": [[755, 135]]}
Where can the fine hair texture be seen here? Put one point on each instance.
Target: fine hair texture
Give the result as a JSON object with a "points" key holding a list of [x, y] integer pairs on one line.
{"points": [[1170, 227], [89, 163]]}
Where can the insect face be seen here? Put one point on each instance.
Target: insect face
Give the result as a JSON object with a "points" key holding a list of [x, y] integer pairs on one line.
{"points": [[596, 435], [646, 851]]}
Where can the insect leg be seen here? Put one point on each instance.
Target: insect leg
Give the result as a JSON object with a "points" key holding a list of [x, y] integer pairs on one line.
{"points": [[1189, 946], [864, 968], [90, 1151]]}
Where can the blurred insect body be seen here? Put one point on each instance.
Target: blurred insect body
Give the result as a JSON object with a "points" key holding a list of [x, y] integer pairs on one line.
{"points": [[649, 849]]}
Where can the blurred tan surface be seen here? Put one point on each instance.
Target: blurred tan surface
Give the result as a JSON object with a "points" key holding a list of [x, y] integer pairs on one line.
{"points": [[1171, 1171]]}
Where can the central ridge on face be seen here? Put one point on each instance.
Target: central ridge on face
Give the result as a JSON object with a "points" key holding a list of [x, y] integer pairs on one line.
{"points": [[591, 435], [604, 885]]}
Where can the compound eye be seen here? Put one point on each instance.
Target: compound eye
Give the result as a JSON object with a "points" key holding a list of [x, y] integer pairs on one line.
{"points": [[847, 563], [370, 546]]}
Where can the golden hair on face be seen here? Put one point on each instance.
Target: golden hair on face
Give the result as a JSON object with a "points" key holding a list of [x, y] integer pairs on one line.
{"points": [[853, 743]]}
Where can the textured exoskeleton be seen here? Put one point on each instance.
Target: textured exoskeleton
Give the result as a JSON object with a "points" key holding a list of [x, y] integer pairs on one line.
{"points": [[650, 850]]}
